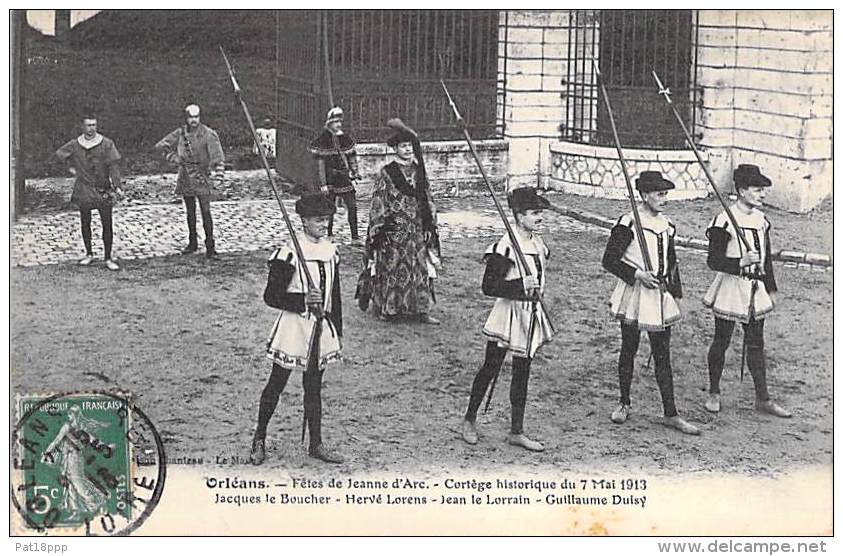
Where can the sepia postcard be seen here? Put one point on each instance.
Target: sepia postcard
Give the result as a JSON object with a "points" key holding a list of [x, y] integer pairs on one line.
{"points": [[421, 272]]}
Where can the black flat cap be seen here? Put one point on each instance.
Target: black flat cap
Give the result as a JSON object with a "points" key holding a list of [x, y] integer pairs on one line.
{"points": [[526, 198], [310, 205], [652, 181], [748, 175]]}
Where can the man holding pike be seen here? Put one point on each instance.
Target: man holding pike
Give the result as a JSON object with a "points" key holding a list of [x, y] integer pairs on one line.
{"points": [[336, 158], [648, 281], [744, 287], [646, 292]]}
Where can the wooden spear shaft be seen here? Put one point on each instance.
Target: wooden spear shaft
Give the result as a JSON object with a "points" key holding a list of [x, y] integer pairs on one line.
{"points": [[666, 94], [296, 245], [639, 232], [519, 253], [513, 239], [313, 345]]}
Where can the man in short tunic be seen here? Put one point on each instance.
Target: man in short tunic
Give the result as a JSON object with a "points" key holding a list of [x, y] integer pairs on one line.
{"points": [[197, 151], [94, 160]]}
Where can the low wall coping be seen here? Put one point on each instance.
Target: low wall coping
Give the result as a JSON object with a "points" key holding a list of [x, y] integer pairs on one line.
{"points": [[595, 151], [374, 149]]}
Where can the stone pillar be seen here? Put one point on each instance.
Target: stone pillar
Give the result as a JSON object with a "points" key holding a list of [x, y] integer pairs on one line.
{"points": [[532, 61], [766, 79]]}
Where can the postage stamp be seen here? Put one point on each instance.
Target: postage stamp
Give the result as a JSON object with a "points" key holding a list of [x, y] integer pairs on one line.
{"points": [[85, 464]]}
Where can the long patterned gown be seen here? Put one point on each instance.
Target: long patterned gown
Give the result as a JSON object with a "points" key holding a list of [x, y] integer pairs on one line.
{"points": [[395, 243]]}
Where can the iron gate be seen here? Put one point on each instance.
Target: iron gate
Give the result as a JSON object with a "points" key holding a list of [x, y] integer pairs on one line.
{"points": [[382, 64], [629, 44], [298, 93]]}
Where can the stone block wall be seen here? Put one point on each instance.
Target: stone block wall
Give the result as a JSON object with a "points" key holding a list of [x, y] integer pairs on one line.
{"points": [[596, 171], [533, 51], [766, 79], [450, 166]]}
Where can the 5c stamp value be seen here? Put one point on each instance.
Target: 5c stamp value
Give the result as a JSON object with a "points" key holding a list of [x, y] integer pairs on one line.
{"points": [[85, 464]]}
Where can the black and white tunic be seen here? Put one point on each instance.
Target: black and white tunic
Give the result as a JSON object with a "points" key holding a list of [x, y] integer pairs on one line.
{"points": [[737, 294], [289, 340], [516, 323], [631, 302]]}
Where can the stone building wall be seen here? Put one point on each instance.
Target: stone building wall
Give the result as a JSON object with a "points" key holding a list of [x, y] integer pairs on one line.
{"points": [[450, 166], [594, 171], [766, 94], [535, 45], [766, 79]]}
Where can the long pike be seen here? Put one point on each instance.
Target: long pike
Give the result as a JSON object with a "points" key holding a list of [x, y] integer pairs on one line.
{"points": [[639, 232], [665, 92], [519, 253], [313, 345]]}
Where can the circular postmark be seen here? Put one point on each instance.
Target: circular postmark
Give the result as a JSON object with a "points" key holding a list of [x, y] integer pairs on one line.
{"points": [[86, 463]]}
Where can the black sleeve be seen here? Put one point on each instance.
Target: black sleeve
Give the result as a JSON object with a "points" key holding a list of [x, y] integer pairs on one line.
{"points": [[495, 283], [674, 282], [769, 277], [718, 238], [285, 301], [336, 302], [619, 240]]}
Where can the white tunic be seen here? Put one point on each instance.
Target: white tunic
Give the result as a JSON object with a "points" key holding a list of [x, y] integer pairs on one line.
{"points": [[290, 337], [637, 305], [522, 327], [740, 298]]}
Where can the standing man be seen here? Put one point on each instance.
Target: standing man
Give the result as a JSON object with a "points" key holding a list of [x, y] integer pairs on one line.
{"points": [[337, 160], [95, 162], [197, 151], [646, 299], [744, 287], [300, 305], [518, 322]]}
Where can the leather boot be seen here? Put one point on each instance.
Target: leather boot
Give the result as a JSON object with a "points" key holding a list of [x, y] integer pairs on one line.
{"points": [[258, 454], [192, 246], [324, 454], [469, 432]]}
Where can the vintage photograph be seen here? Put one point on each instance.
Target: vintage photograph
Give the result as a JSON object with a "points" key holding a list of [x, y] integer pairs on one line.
{"points": [[469, 272]]}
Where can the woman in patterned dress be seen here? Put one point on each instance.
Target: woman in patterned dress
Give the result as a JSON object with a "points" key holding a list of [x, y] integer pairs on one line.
{"points": [[401, 244]]}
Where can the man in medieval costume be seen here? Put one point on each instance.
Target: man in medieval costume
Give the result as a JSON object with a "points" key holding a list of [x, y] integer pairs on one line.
{"points": [[645, 299], [94, 160], [337, 162], [197, 151], [744, 287]]}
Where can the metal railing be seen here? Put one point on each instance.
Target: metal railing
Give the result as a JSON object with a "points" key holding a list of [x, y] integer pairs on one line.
{"points": [[383, 64], [628, 45]]}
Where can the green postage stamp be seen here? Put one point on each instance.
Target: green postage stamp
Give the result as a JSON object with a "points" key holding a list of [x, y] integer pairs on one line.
{"points": [[82, 462]]}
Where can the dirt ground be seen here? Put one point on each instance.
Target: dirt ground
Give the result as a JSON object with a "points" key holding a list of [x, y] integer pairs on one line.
{"points": [[187, 337]]}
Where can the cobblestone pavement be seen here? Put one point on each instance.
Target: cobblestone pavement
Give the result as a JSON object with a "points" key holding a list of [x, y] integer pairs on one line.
{"points": [[156, 230]]}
